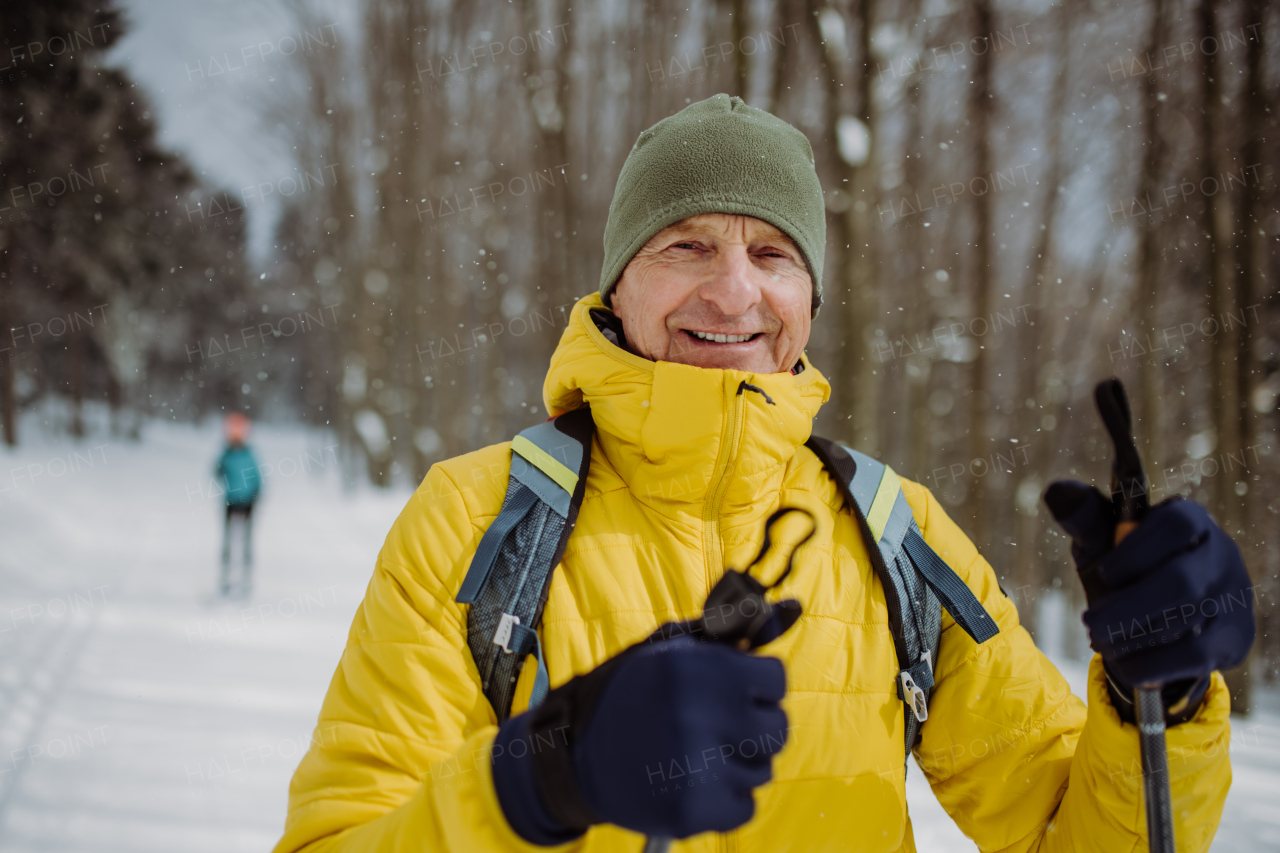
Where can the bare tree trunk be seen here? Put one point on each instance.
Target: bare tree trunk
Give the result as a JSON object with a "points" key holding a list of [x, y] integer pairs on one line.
{"points": [[920, 313], [550, 106], [8, 396], [115, 400], [392, 29], [1218, 273], [1150, 425], [325, 143], [981, 106], [1028, 572], [75, 366], [781, 66], [1232, 502], [855, 272], [656, 27], [917, 450], [1218, 287], [737, 30], [863, 254], [839, 262]]}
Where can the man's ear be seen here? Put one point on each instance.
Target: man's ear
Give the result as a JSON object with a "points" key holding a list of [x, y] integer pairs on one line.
{"points": [[620, 299]]}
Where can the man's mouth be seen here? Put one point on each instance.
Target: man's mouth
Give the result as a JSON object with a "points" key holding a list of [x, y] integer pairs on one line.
{"points": [[722, 338]]}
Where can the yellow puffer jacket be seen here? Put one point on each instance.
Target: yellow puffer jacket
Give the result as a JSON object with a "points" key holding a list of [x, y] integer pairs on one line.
{"points": [[684, 470]]}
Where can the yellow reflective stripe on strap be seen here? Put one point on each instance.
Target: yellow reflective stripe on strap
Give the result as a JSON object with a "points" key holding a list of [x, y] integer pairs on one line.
{"points": [[883, 502], [545, 462]]}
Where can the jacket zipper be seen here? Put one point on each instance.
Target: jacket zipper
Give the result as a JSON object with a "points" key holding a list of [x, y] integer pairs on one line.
{"points": [[729, 441]]}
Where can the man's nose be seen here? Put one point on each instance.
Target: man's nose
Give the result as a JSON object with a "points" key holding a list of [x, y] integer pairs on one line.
{"points": [[733, 287]]}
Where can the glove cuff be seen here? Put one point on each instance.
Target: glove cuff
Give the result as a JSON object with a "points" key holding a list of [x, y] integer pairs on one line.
{"points": [[515, 781], [555, 727], [1181, 699]]}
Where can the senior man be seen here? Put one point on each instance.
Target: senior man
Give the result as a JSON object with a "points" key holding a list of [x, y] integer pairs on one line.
{"points": [[691, 359]]}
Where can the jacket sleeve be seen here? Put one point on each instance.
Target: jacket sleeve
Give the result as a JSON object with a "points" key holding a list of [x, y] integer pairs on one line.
{"points": [[400, 758], [1021, 764]]}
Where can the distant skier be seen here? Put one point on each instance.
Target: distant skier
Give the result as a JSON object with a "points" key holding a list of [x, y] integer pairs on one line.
{"points": [[242, 481]]}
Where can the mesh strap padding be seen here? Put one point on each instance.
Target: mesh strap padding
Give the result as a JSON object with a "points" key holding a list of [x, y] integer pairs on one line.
{"points": [[515, 507], [514, 586], [511, 571]]}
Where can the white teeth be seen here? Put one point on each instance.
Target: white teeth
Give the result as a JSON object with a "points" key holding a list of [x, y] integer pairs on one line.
{"points": [[722, 339]]}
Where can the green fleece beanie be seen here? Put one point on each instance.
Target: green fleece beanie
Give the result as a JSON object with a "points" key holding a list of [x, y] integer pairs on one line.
{"points": [[716, 156]]}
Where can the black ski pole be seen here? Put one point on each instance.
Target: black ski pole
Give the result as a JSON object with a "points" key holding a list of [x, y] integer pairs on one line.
{"points": [[1129, 496]]}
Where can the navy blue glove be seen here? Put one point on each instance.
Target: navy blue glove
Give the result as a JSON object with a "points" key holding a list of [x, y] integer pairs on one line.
{"points": [[1169, 605], [667, 738]]}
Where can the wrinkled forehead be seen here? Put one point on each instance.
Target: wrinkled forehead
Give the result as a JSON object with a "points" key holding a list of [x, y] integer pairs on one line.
{"points": [[725, 226]]}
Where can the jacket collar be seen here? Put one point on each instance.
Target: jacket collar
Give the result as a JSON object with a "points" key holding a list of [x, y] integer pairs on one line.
{"points": [[685, 440]]}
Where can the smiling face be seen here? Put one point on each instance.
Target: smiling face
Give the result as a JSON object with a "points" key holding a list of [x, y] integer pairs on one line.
{"points": [[717, 290]]}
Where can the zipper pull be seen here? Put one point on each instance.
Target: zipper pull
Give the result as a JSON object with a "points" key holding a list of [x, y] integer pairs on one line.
{"points": [[744, 385]]}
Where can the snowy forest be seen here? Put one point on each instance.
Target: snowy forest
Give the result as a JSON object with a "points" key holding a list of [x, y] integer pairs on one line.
{"points": [[1023, 198]]}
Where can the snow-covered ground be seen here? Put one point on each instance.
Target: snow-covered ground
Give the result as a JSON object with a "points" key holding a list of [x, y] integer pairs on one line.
{"points": [[138, 712]]}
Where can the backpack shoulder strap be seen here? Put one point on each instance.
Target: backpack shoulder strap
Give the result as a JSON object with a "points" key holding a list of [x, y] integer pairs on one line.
{"points": [[917, 582], [510, 574]]}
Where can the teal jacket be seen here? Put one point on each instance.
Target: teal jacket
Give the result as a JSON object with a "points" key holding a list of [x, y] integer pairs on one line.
{"points": [[239, 471]]}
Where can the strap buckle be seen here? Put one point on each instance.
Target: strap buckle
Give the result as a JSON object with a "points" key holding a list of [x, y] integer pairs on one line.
{"points": [[506, 627], [914, 696]]}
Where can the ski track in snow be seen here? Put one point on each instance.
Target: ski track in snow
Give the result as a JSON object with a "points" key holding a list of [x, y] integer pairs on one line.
{"points": [[138, 712]]}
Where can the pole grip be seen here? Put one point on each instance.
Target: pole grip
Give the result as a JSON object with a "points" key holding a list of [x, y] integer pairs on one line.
{"points": [[1129, 496], [1155, 769], [657, 844]]}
